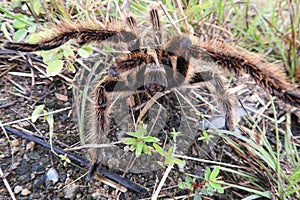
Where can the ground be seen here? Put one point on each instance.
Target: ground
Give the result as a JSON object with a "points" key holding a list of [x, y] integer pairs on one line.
{"points": [[26, 165]]}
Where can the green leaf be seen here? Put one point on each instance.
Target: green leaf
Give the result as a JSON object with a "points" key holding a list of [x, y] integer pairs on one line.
{"points": [[64, 158], [50, 120], [52, 56], [37, 111], [175, 133], [214, 173], [139, 149], [37, 7], [34, 38], [160, 163], [20, 35], [178, 161], [67, 51], [296, 174], [54, 67], [146, 149], [197, 196], [87, 48], [207, 173], [129, 141], [142, 129], [158, 148], [83, 53], [4, 30], [150, 139], [132, 134], [188, 179], [18, 24], [170, 151], [184, 185], [181, 185], [132, 147], [32, 29], [218, 187], [70, 66], [209, 189]]}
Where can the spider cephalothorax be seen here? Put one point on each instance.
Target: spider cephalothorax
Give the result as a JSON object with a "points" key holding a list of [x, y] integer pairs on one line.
{"points": [[159, 66]]}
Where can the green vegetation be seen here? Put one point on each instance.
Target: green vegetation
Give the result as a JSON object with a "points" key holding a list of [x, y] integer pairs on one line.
{"points": [[210, 185], [138, 140]]}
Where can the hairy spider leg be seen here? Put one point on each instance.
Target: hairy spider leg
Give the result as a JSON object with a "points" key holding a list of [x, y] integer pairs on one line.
{"points": [[81, 35], [99, 118], [154, 18], [234, 60]]}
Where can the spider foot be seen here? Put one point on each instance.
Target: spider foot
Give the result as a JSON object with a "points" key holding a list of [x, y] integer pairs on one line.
{"points": [[93, 171]]}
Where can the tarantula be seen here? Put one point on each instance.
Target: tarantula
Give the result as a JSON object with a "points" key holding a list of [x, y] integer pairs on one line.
{"points": [[162, 67]]}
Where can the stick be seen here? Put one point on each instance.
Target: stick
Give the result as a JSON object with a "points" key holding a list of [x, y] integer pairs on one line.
{"points": [[122, 181]]}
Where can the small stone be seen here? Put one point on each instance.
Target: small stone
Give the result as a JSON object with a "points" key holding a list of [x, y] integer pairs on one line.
{"points": [[97, 194], [25, 192], [3, 141], [181, 167], [52, 175], [217, 122], [18, 189], [70, 191], [15, 150], [30, 146], [78, 196], [61, 97], [15, 143]]}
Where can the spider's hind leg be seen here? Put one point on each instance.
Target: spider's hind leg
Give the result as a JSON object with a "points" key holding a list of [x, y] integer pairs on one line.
{"points": [[221, 94], [80, 34]]}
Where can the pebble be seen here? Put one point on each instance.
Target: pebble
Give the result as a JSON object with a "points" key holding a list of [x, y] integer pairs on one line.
{"points": [[70, 191], [15, 150], [25, 192], [97, 193], [30, 146], [18, 189], [217, 122], [52, 175], [15, 143]]}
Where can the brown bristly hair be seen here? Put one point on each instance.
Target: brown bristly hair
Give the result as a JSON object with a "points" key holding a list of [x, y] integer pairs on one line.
{"points": [[233, 59]]}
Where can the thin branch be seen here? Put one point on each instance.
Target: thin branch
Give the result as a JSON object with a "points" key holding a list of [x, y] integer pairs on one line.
{"points": [[122, 181]]}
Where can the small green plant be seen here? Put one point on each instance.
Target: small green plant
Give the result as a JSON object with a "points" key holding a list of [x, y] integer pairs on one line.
{"points": [[138, 140], [169, 158], [66, 160], [24, 26], [209, 186], [56, 58], [206, 137], [48, 117], [24, 29]]}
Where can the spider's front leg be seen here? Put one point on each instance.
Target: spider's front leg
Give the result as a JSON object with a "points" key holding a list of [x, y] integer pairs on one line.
{"points": [[100, 119]]}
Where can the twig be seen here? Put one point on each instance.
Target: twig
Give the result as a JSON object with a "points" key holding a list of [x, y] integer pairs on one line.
{"points": [[122, 181], [8, 104], [162, 181], [10, 68], [7, 185]]}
